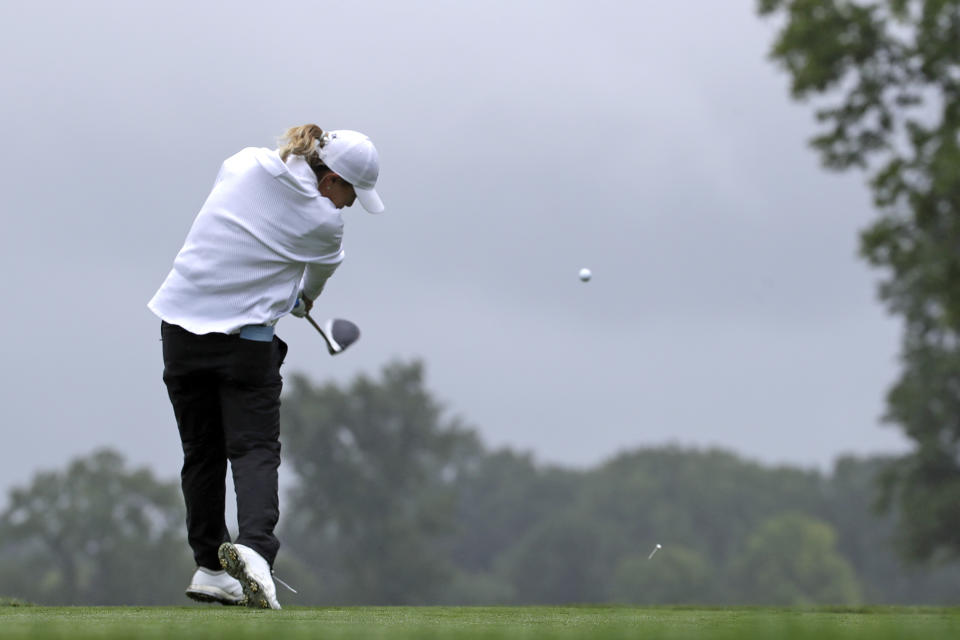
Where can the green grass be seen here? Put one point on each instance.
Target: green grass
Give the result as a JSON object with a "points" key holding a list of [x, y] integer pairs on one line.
{"points": [[478, 622]]}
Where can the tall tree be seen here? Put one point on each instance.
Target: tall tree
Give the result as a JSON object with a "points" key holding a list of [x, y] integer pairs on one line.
{"points": [[376, 465], [96, 533], [890, 73]]}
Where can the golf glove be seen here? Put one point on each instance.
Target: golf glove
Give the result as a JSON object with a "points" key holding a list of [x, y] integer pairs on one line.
{"points": [[299, 309]]}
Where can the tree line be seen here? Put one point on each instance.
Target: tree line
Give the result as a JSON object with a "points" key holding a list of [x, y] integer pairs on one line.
{"points": [[394, 501]]}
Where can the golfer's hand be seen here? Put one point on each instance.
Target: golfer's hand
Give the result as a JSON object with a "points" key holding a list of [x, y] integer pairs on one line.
{"points": [[303, 306]]}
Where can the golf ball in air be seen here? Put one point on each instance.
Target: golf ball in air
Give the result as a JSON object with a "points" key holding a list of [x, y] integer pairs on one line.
{"points": [[585, 274]]}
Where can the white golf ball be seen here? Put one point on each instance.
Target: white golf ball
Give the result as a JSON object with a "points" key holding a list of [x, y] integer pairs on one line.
{"points": [[585, 274]]}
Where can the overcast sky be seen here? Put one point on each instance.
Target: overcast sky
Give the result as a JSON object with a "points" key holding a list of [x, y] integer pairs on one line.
{"points": [[652, 142]]}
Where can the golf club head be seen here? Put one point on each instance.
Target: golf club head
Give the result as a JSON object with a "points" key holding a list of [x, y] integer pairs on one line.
{"points": [[337, 333], [340, 334]]}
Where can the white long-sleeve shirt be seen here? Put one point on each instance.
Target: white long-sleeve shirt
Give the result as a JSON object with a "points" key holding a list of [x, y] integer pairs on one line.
{"points": [[264, 233]]}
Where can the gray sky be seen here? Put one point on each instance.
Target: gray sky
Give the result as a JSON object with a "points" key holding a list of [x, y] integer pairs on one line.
{"points": [[519, 141]]}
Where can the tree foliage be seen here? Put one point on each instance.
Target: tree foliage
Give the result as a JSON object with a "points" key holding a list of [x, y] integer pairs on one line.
{"points": [[95, 533], [500, 499], [890, 72], [674, 575], [566, 558], [791, 559], [375, 465]]}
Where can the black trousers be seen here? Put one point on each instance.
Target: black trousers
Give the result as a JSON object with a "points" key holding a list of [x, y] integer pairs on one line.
{"points": [[225, 392]]}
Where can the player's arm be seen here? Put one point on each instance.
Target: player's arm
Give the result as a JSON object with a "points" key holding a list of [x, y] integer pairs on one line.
{"points": [[315, 277]]}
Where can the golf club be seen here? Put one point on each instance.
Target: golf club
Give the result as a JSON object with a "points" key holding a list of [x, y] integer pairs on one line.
{"points": [[337, 332]]}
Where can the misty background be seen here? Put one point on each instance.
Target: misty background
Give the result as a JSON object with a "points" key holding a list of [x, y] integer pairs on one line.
{"points": [[651, 142]]}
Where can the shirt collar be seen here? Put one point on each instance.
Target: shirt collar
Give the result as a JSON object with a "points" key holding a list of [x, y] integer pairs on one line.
{"points": [[295, 172], [301, 170]]}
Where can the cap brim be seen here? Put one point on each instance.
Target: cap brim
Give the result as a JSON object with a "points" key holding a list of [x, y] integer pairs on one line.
{"points": [[369, 199]]}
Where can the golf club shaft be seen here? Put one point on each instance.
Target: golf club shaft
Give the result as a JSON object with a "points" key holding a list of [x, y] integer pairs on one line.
{"points": [[320, 331]]}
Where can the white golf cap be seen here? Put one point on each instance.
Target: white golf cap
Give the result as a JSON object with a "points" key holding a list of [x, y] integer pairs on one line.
{"points": [[352, 156]]}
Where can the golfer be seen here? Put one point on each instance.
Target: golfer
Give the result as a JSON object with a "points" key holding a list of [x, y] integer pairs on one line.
{"points": [[263, 245]]}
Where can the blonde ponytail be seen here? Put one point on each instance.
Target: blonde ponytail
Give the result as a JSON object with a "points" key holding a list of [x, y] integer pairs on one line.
{"points": [[301, 141]]}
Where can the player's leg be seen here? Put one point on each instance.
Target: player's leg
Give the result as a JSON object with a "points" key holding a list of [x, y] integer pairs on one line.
{"points": [[250, 402], [194, 391]]}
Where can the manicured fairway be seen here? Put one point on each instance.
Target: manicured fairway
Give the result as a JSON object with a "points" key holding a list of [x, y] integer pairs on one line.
{"points": [[477, 622]]}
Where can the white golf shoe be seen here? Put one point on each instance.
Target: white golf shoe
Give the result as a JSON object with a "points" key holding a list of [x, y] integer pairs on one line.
{"points": [[214, 586], [253, 572]]}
